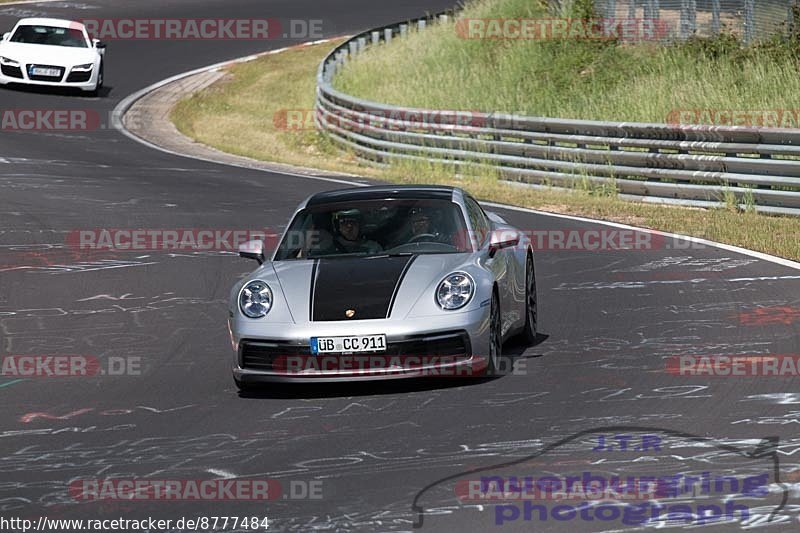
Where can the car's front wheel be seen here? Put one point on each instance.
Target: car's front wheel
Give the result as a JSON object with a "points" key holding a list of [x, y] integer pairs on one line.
{"points": [[495, 337], [100, 80]]}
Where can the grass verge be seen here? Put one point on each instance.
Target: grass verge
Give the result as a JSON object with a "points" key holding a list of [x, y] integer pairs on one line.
{"points": [[579, 78], [246, 113]]}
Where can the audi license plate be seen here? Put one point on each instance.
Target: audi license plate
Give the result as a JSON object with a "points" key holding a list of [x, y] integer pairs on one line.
{"points": [[51, 72], [352, 344]]}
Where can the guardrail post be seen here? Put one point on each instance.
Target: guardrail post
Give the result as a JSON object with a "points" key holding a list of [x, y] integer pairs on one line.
{"points": [[403, 30], [376, 37], [353, 49], [652, 10], [443, 19], [387, 35], [688, 23], [611, 9], [749, 21], [421, 24], [715, 17], [362, 44]]}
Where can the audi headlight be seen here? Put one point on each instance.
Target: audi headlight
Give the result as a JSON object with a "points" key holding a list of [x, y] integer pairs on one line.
{"points": [[255, 299], [83, 68], [455, 291], [8, 62]]}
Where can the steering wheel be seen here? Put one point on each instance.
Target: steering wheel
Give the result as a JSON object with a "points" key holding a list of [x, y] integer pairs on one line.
{"points": [[421, 236]]}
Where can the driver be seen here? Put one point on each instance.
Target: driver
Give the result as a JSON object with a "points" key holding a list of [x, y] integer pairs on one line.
{"points": [[348, 239], [421, 228], [420, 222]]}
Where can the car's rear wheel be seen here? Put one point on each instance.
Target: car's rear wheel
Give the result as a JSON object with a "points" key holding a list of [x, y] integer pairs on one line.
{"points": [[495, 337], [528, 334]]}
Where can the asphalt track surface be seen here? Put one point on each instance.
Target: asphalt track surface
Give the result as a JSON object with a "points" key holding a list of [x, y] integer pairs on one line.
{"points": [[382, 452]]}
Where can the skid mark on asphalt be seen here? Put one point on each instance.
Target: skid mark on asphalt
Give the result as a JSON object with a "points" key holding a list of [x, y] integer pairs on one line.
{"points": [[778, 398], [596, 285], [691, 264]]}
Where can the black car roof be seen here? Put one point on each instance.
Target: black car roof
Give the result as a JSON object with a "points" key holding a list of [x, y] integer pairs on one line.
{"points": [[387, 192]]}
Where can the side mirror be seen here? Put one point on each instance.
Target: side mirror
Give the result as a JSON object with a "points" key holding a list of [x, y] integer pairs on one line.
{"points": [[494, 217], [253, 250], [100, 45], [503, 238], [7, 36]]}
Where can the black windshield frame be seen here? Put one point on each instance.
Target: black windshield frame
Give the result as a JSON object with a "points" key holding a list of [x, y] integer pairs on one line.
{"points": [[384, 222], [51, 36]]}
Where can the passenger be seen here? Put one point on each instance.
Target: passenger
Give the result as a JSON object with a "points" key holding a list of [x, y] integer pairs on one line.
{"points": [[348, 239]]}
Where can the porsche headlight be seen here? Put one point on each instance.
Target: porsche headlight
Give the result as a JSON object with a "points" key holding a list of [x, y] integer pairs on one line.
{"points": [[255, 299], [83, 68], [8, 62], [455, 291]]}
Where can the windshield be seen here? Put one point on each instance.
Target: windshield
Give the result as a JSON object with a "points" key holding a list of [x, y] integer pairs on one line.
{"points": [[375, 227], [50, 35]]}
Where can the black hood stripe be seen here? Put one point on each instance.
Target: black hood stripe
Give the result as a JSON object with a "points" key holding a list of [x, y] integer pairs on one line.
{"points": [[397, 285], [365, 285]]}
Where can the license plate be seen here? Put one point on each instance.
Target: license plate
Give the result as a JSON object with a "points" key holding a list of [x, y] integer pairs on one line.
{"points": [[52, 72], [351, 344]]}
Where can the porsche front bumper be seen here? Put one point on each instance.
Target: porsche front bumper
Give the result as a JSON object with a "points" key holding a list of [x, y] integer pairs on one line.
{"points": [[448, 345]]}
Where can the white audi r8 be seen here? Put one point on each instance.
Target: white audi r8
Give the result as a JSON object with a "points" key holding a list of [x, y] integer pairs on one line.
{"points": [[51, 52]]}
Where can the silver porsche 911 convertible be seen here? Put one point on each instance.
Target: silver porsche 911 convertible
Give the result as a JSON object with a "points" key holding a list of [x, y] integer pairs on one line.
{"points": [[383, 282]]}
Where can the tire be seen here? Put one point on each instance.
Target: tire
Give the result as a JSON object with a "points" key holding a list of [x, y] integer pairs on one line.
{"points": [[495, 337], [100, 80], [528, 334]]}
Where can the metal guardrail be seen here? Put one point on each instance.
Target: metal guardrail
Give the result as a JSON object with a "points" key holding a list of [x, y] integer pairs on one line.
{"points": [[687, 165]]}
